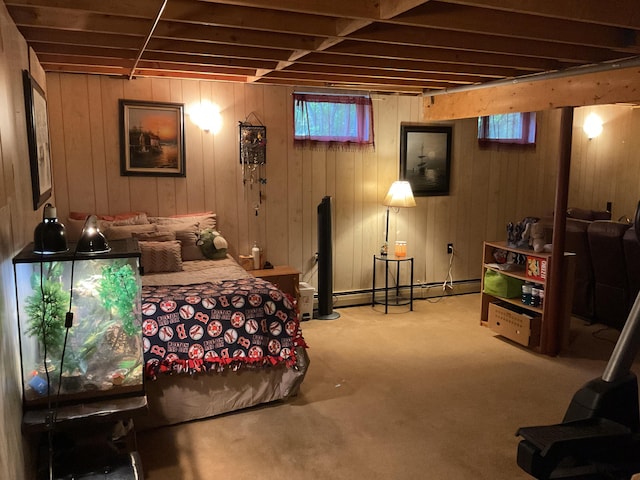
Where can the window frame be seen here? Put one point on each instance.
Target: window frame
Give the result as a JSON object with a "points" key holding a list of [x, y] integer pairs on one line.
{"points": [[526, 138], [363, 121]]}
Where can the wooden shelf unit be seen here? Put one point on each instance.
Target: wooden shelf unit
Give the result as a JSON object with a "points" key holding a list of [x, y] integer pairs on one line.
{"points": [[566, 284]]}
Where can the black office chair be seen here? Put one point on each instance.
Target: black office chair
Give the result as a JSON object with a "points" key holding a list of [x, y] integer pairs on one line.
{"points": [[599, 437]]}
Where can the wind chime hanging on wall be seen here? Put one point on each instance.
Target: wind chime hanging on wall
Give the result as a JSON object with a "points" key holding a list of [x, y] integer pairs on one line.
{"points": [[253, 158]]}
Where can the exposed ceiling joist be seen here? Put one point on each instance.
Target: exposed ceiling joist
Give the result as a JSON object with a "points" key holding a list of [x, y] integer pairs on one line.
{"points": [[401, 46]]}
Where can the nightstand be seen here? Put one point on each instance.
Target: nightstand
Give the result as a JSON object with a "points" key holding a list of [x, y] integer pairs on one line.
{"points": [[284, 277]]}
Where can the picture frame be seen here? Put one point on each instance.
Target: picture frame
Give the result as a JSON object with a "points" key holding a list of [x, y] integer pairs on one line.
{"points": [[38, 140], [425, 158], [152, 139]]}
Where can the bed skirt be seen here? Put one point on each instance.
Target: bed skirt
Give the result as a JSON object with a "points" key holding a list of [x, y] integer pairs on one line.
{"points": [[180, 398]]}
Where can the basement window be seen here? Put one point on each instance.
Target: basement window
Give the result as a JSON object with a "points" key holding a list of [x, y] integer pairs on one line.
{"points": [[508, 128], [340, 121]]}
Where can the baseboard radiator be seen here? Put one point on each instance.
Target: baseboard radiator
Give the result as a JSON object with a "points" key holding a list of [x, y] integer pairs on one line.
{"points": [[422, 291]]}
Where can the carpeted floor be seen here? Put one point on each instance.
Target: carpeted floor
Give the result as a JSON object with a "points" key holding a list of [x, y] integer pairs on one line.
{"points": [[427, 394]]}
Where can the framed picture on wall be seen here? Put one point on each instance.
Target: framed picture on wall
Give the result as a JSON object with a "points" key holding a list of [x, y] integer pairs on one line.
{"points": [[38, 139], [425, 158], [152, 139]]}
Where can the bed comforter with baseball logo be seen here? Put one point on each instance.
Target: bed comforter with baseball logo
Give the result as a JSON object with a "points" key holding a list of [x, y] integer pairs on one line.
{"points": [[213, 326]]}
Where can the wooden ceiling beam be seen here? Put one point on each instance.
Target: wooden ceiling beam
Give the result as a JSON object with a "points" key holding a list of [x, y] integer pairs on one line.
{"points": [[85, 69], [231, 36], [78, 20], [197, 75], [624, 13], [373, 87], [144, 9], [392, 8], [322, 58], [150, 56], [427, 53], [67, 41], [123, 72], [265, 19], [462, 18], [387, 33], [70, 37], [322, 70], [425, 84], [102, 62], [333, 8], [217, 49]]}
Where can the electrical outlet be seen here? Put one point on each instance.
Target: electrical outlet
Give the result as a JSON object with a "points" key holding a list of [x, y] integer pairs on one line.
{"points": [[315, 258], [449, 247]]}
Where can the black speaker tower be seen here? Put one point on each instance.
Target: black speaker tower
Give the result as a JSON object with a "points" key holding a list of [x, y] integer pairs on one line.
{"points": [[325, 263]]}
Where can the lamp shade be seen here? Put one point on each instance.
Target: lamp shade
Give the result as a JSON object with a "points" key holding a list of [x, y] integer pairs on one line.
{"points": [[92, 240], [49, 236], [399, 195]]}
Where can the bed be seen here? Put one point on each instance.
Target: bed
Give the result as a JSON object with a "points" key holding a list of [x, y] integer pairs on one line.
{"points": [[215, 338]]}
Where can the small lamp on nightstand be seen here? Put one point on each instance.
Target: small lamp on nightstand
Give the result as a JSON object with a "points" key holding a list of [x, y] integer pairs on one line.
{"points": [[398, 196]]}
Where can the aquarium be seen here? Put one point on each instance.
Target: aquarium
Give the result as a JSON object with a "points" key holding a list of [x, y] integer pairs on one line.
{"points": [[79, 324]]}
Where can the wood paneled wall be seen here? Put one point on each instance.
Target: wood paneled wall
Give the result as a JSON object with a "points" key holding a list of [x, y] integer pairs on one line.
{"points": [[488, 187], [607, 168], [17, 221]]}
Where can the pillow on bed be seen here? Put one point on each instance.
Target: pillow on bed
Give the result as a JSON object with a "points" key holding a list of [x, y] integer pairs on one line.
{"points": [[75, 222], [212, 244], [160, 256], [202, 220], [158, 235], [188, 239], [130, 217], [118, 232]]}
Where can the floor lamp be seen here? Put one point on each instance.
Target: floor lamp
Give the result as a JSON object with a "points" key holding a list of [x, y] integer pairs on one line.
{"points": [[398, 196]]}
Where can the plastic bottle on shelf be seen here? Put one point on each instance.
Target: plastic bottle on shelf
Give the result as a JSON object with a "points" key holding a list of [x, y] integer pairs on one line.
{"points": [[526, 293], [535, 297], [255, 253]]}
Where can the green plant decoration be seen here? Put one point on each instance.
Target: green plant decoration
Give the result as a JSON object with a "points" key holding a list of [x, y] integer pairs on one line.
{"points": [[47, 308], [118, 290]]}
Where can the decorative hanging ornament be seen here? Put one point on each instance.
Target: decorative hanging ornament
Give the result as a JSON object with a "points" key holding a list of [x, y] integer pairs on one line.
{"points": [[253, 157]]}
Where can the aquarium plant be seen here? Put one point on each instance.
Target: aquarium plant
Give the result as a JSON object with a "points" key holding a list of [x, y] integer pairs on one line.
{"points": [[47, 308], [118, 291]]}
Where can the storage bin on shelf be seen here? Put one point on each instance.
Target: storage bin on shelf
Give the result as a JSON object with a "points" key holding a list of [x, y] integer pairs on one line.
{"points": [[515, 323], [501, 285]]}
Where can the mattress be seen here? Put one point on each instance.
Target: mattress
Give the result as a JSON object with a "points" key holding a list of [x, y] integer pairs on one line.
{"points": [[199, 271], [179, 397]]}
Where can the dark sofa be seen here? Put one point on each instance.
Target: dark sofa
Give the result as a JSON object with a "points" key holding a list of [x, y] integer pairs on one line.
{"points": [[607, 265], [611, 289], [577, 241]]}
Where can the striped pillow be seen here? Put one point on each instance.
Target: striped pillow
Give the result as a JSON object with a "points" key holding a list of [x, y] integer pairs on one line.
{"points": [[160, 256]]}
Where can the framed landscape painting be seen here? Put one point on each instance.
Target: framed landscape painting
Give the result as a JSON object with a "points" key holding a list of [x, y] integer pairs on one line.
{"points": [[38, 139], [152, 139], [425, 158]]}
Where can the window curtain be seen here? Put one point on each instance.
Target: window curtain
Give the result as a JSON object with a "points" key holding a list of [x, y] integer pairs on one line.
{"points": [[511, 128], [335, 121]]}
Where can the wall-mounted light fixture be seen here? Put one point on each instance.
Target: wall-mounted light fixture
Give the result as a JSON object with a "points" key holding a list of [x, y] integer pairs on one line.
{"points": [[592, 125], [206, 115]]}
